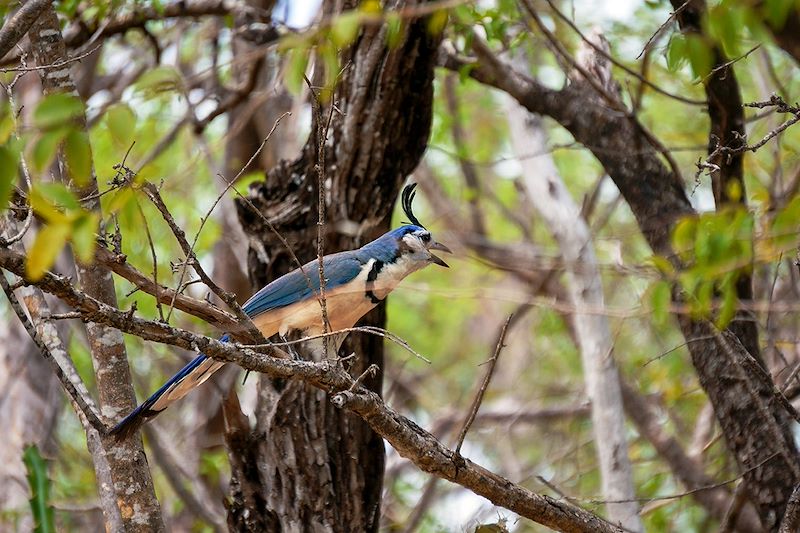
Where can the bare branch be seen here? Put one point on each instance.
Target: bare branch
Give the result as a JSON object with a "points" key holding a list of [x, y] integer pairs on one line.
{"points": [[476, 403]]}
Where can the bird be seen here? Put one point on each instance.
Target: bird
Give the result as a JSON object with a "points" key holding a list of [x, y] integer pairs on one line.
{"points": [[356, 281]]}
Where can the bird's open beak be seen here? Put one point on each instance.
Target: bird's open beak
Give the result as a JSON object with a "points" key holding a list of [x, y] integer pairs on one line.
{"points": [[441, 247]]}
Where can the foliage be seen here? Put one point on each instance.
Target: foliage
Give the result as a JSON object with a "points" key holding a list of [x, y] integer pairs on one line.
{"points": [[450, 316], [39, 483]]}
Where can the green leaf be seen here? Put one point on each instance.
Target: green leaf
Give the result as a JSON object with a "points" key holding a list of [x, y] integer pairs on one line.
{"points": [[296, 64], [48, 244], [83, 236], [777, 10], [159, 79], [660, 297], [56, 110], [122, 198], [6, 124], [78, 153], [394, 30], [437, 21], [663, 265], [701, 56], [729, 302], [8, 175], [57, 194], [344, 28], [121, 123], [676, 53], [45, 148], [683, 235], [36, 468]]}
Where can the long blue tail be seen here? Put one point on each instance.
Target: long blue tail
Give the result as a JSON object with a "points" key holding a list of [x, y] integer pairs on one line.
{"points": [[187, 379]]}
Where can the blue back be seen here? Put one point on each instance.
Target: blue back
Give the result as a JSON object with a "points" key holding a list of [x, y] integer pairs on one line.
{"points": [[340, 269]]}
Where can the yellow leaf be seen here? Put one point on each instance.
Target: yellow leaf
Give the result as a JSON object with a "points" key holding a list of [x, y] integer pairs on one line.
{"points": [[49, 243]]}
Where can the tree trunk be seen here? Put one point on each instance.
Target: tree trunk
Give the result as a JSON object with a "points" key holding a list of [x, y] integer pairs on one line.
{"points": [[132, 487], [320, 468]]}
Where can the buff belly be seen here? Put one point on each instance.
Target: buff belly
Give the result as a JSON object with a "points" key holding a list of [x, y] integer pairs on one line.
{"points": [[344, 309]]}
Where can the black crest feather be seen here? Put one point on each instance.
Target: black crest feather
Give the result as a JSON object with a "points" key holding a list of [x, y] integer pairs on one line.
{"points": [[406, 199]]}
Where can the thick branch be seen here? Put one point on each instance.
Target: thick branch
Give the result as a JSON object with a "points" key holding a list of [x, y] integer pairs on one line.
{"points": [[12, 31]]}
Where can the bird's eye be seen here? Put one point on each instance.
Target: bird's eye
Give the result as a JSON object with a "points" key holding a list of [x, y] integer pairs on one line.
{"points": [[426, 237]]}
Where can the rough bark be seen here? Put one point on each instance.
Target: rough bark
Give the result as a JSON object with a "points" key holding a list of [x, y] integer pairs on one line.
{"points": [[132, 483], [763, 446], [549, 195], [325, 473]]}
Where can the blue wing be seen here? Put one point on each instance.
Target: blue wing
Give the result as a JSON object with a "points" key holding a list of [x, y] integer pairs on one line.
{"points": [[298, 285], [293, 287]]}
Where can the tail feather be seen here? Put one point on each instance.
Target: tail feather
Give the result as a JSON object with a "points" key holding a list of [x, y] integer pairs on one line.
{"points": [[191, 376]]}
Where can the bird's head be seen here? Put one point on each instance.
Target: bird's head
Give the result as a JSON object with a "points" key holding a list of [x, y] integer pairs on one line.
{"points": [[413, 240], [416, 244]]}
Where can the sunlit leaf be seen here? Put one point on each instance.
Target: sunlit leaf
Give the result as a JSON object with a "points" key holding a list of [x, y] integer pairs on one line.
{"points": [[729, 302], [344, 28], [683, 235], [48, 244], [660, 298], [676, 53], [121, 122], [8, 175], [45, 149], [56, 110], [394, 30], [296, 64], [437, 21], [159, 79], [122, 198], [701, 56], [83, 236], [79, 155], [56, 194]]}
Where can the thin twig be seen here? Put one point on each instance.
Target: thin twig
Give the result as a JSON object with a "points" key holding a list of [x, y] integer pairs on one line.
{"points": [[661, 28], [371, 371], [371, 330], [85, 406], [321, 132], [679, 495], [230, 299], [152, 254], [476, 403], [55, 65], [622, 66]]}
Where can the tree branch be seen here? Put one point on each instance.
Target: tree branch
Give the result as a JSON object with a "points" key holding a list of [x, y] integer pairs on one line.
{"points": [[14, 29], [408, 439]]}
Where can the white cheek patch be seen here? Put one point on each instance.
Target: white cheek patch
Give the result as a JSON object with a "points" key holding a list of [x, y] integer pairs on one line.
{"points": [[412, 242]]}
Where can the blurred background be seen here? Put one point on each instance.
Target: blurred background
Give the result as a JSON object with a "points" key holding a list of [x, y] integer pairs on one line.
{"points": [[186, 101]]}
